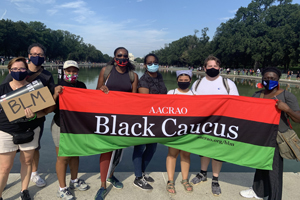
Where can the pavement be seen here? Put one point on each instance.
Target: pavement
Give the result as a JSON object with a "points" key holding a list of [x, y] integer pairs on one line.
{"points": [[231, 184]]}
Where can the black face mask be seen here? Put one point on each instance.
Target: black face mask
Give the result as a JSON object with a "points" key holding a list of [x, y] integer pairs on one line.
{"points": [[212, 72], [183, 85]]}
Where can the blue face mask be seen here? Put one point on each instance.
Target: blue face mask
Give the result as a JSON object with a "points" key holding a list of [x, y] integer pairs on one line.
{"points": [[152, 68], [19, 76], [37, 60], [269, 84]]}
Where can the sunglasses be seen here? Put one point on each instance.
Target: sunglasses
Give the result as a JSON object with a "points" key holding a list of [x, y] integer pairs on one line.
{"points": [[122, 55]]}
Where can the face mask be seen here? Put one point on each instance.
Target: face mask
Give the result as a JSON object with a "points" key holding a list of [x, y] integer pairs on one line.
{"points": [[269, 84], [37, 60], [152, 68], [71, 78], [212, 72], [121, 61], [183, 85], [19, 76]]}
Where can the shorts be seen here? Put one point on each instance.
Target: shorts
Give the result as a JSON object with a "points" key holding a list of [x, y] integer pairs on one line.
{"points": [[55, 133], [7, 144]]}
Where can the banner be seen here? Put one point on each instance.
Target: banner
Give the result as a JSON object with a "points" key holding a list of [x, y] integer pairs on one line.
{"points": [[235, 129]]}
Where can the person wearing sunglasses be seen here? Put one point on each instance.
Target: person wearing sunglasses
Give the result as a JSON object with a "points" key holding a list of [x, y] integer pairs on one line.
{"points": [[150, 83], [118, 75]]}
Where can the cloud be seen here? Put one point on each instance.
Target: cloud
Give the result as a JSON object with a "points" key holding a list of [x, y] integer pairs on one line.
{"points": [[3, 15], [77, 7], [107, 35], [139, 0], [75, 4], [233, 11], [52, 11], [226, 18]]}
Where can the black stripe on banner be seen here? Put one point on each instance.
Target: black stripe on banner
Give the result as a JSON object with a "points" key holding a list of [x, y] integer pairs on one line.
{"points": [[168, 126]]}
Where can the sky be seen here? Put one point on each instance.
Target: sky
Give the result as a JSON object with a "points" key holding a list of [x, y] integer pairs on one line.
{"points": [[141, 26]]}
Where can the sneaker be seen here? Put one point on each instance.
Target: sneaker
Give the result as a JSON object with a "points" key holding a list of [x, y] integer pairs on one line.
{"points": [[101, 194], [115, 182], [65, 194], [142, 183], [79, 185], [25, 195], [38, 180], [148, 178], [215, 188], [249, 194], [198, 179]]}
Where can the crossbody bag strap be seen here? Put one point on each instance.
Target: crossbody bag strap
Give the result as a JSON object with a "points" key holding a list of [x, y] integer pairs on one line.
{"points": [[33, 76]]}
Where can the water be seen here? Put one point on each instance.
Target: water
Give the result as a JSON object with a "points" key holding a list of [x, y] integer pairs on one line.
{"points": [[89, 76]]}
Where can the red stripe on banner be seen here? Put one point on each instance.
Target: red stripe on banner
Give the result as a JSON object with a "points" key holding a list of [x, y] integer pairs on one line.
{"points": [[248, 108]]}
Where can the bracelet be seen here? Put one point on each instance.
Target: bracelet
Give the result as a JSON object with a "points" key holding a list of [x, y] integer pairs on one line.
{"points": [[32, 118]]}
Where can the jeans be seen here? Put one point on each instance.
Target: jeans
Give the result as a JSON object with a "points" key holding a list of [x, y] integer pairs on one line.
{"points": [[141, 157]]}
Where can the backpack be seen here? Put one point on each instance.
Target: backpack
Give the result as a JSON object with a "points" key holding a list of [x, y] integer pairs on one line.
{"points": [[110, 67], [225, 83]]}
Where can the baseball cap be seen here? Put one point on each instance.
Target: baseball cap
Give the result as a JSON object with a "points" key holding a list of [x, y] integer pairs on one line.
{"points": [[70, 63]]}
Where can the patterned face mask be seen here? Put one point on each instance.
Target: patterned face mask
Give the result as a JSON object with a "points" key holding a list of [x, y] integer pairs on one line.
{"points": [[71, 78]]}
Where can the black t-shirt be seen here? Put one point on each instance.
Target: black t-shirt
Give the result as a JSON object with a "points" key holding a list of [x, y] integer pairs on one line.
{"points": [[77, 84], [45, 77], [155, 85], [9, 127]]}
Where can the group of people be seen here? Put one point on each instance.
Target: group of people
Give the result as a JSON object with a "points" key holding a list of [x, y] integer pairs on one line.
{"points": [[119, 75]]}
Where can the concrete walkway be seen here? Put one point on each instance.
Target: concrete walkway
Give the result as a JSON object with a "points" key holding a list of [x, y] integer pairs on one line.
{"points": [[231, 185]]}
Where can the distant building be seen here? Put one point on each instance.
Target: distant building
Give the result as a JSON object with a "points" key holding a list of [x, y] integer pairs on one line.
{"points": [[131, 57]]}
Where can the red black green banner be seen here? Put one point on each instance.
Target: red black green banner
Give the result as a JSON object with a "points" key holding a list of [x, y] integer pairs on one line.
{"points": [[235, 129]]}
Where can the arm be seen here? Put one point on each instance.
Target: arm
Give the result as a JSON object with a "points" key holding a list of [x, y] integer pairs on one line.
{"points": [[135, 83], [143, 90], [58, 90], [294, 115], [100, 84], [100, 79]]}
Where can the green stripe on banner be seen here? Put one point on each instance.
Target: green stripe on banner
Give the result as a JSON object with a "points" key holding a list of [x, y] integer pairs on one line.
{"points": [[239, 153]]}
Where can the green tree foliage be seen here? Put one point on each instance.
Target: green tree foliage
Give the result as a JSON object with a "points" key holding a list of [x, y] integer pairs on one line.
{"points": [[15, 37], [265, 33]]}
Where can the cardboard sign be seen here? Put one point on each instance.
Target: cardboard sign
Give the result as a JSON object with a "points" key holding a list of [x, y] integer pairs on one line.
{"points": [[36, 100]]}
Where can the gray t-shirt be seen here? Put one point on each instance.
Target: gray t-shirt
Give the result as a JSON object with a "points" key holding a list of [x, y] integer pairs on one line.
{"points": [[291, 101]]}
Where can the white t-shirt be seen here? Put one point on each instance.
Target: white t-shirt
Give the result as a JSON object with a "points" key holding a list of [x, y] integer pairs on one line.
{"points": [[176, 91], [217, 87]]}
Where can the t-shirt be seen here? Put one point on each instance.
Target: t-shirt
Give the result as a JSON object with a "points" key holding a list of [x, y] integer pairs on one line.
{"points": [[155, 85], [45, 77], [9, 127], [290, 100], [176, 91], [77, 84], [215, 87]]}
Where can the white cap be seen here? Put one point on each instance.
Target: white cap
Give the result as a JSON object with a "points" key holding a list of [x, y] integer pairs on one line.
{"points": [[70, 63]]}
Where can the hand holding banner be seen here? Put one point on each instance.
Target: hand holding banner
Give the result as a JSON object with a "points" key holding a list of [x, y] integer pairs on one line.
{"points": [[240, 130]]}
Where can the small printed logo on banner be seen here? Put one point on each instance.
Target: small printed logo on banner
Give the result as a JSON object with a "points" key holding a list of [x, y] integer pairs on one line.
{"points": [[168, 110]]}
